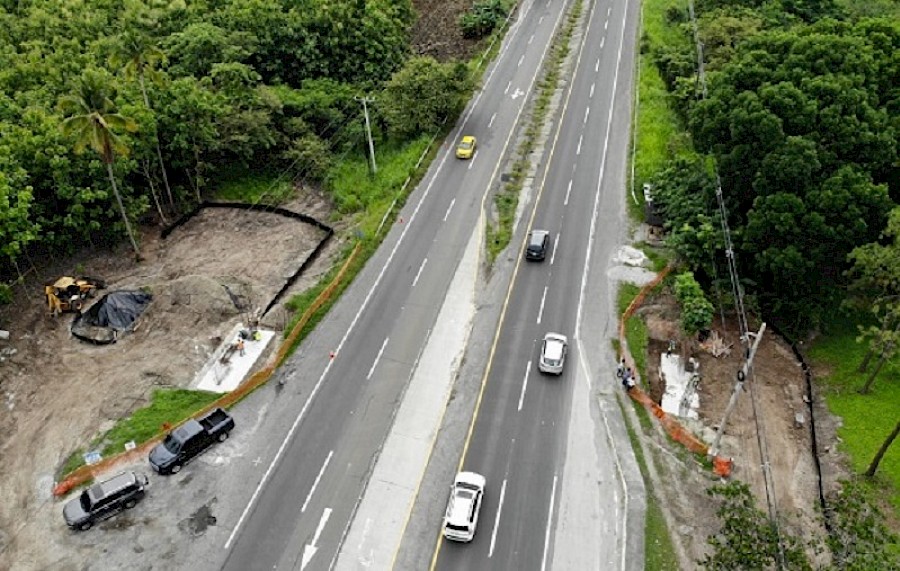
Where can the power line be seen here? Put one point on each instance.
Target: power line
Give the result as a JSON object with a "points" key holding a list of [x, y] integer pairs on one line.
{"points": [[749, 351]]}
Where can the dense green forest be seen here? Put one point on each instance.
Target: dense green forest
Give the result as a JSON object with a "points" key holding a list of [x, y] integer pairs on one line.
{"points": [[114, 113], [800, 119]]}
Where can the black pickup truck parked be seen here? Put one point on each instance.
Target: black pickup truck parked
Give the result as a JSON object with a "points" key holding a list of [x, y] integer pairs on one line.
{"points": [[189, 440]]}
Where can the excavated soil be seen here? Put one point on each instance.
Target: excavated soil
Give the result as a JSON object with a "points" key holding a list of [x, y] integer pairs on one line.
{"points": [[769, 428], [60, 393]]}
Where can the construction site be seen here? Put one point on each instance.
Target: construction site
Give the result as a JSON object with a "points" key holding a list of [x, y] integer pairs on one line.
{"points": [[210, 277]]}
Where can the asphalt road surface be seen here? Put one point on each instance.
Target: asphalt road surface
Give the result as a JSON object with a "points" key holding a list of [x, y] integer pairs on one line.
{"points": [[519, 436], [301, 492]]}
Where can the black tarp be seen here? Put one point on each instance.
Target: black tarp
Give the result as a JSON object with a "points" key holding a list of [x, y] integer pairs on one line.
{"points": [[115, 312]]}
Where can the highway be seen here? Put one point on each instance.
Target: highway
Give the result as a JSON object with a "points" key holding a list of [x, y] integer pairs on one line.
{"points": [[519, 436], [314, 451]]}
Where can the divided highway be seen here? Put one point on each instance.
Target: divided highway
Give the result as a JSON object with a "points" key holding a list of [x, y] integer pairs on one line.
{"points": [[519, 436], [302, 490]]}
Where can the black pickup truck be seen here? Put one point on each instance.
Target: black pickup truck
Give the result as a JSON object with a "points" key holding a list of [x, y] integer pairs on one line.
{"points": [[189, 440]]}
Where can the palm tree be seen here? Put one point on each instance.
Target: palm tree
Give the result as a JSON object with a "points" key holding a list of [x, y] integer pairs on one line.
{"points": [[91, 120], [138, 58]]}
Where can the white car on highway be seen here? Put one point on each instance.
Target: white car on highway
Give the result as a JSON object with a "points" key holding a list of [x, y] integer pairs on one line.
{"points": [[553, 353], [466, 495]]}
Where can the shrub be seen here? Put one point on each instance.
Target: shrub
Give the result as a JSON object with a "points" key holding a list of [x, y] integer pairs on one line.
{"points": [[482, 18], [696, 310]]}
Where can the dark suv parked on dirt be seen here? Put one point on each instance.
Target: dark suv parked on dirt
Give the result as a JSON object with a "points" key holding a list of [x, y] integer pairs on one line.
{"points": [[104, 500]]}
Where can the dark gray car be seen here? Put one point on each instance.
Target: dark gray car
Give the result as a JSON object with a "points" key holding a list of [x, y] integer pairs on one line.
{"points": [[104, 500], [538, 244]]}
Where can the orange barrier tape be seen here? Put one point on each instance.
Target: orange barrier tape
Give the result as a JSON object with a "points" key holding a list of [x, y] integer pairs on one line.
{"points": [[85, 473], [721, 466]]}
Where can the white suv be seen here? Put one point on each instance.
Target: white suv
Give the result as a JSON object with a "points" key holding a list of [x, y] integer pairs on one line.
{"points": [[553, 353], [466, 495]]}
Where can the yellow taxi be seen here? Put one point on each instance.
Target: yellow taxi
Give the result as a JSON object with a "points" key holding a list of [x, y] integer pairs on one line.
{"points": [[466, 147]]}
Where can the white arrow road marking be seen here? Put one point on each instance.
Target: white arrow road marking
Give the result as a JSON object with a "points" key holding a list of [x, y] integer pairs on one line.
{"points": [[524, 385], [541, 310], [517, 93], [316, 483], [549, 525], [377, 358], [497, 519], [309, 550], [419, 273]]}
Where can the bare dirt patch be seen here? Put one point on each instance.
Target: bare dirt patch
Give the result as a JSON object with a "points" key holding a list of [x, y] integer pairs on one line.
{"points": [[781, 418], [60, 393], [449, 43]]}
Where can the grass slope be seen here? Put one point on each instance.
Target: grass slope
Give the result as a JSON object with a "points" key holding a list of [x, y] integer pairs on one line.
{"points": [[867, 419]]}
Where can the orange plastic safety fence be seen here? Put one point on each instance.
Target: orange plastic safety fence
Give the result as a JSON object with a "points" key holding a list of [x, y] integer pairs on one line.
{"points": [[260, 377]]}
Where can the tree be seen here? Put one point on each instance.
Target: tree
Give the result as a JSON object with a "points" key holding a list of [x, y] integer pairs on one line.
{"points": [[748, 540], [17, 228], [423, 94], [873, 467], [91, 120], [138, 57], [858, 538], [696, 311], [875, 272]]}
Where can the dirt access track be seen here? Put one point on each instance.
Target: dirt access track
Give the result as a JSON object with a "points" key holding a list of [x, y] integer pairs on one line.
{"points": [[60, 393]]}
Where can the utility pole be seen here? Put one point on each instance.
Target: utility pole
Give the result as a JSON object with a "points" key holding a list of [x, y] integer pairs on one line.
{"points": [[738, 386], [365, 101]]}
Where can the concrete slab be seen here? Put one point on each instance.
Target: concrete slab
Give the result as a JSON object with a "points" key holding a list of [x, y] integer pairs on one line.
{"points": [[226, 368], [679, 383]]}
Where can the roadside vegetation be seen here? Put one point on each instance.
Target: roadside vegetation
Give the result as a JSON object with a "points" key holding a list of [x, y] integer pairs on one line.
{"points": [[167, 407], [182, 104], [813, 212]]}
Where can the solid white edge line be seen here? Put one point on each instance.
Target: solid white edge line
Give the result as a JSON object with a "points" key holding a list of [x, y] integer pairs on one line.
{"points": [[549, 525], [377, 358], [302, 414], [587, 258], [316, 483], [497, 519], [524, 385]]}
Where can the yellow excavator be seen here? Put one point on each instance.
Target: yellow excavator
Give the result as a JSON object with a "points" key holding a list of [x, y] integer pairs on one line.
{"points": [[69, 293]]}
